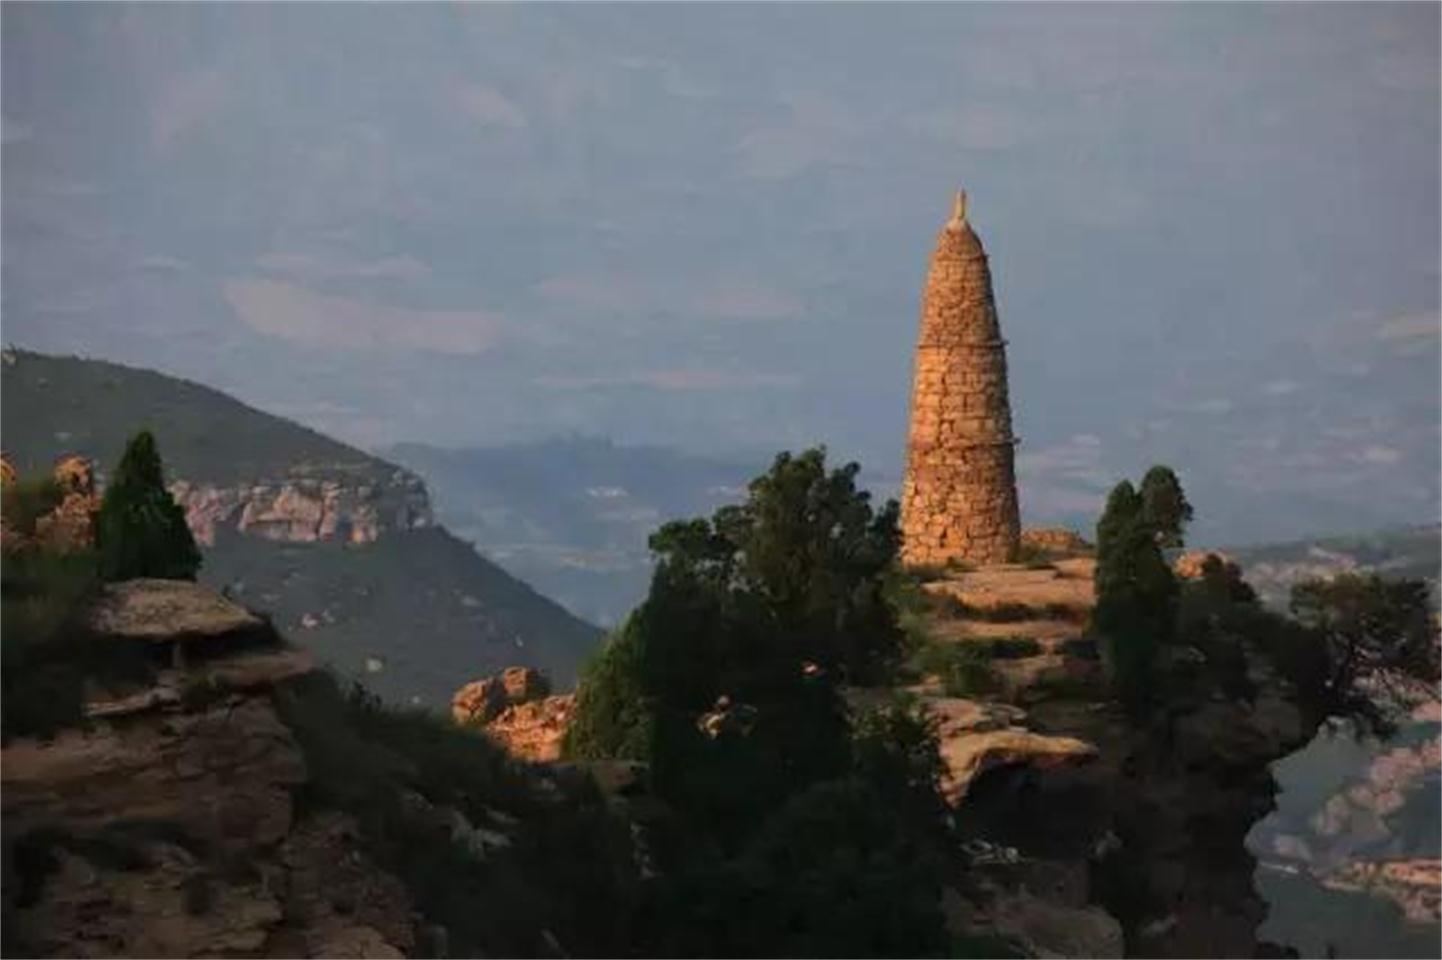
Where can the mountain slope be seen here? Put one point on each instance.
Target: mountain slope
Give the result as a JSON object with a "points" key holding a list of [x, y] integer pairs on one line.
{"points": [[338, 546]]}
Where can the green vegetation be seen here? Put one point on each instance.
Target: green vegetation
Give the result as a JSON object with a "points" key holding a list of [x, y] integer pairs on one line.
{"points": [[1164, 507], [566, 868], [1008, 612], [1358, 647], [613, 720], [27, 500], [798, 828], [1379, 639], [964, 668], [46, 655], [1135, 588], [141, 530], [425, 604], [45, 651]]}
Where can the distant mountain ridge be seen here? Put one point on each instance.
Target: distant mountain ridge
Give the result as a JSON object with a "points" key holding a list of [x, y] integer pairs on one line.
{"points": [[1272, 568], [337, 545], [573, 514]]}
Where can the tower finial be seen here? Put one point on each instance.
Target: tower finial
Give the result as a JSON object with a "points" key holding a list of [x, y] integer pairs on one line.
{"points": [[958, 210]]}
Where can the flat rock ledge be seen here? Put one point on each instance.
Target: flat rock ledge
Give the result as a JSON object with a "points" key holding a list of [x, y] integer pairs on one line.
{"points": [[167, 610]]}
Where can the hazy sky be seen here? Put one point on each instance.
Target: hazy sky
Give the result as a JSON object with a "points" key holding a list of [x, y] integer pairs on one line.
{"points": [[1214, 228]]}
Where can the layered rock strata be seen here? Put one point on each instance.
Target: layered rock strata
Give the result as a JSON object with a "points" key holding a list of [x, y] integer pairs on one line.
{"points": [[959, 493], [170, 827], [305, 509]]}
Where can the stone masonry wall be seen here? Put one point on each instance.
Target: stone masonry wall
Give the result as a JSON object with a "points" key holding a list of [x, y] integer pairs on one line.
{"points": [[959, 495]]}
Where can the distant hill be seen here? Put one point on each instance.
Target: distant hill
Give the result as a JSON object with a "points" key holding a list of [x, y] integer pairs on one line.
{"points": [[1272, 568], [572, 515], [387, 595], [57, 405]]}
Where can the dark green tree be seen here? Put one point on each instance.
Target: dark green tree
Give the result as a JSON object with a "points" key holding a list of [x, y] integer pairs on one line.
{"points": [[1136, 590], [785, 810], [613, 716], [1380, 643], [807, 552], [1164, 506], [141, 530]]}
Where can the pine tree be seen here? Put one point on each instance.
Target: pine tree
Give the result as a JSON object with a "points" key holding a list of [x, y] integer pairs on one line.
{"points": [[1164, 506], [141, 531], [1136, 590]]}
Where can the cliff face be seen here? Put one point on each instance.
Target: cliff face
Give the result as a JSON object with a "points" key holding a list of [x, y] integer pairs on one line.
{"points": [[306, 509], [1093, 820], [1150, 830], [171, 829]]}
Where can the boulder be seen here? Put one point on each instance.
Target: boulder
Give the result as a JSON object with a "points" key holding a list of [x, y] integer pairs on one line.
{"points": [[524, 683], [482, 701], [478, 702], [533, 730]]}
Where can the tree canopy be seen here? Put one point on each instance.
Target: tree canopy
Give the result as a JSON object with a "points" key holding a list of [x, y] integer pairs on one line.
{"points": [[1380, 644], [726, 681], [1136, 591]]}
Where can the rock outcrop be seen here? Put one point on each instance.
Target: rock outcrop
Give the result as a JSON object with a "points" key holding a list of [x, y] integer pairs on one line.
{"points": [[306, 509], [151, 609], [977, 736], [170, 827], [1083, 819], [70, 526], [515, 708], [533, 731]]}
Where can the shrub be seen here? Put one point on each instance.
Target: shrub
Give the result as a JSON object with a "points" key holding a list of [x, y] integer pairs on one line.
{"points": [[1033, 556], [996, 613], [1012, 648], [27, 500], [568, 868], [45, 649], [911, 604], [963, 667]]}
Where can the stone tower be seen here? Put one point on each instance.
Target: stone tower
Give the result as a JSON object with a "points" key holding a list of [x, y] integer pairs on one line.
{"points": [[958, 501]]}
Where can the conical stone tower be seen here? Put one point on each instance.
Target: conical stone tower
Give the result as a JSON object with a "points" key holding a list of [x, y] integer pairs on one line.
{"points": [[959, 496]]}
